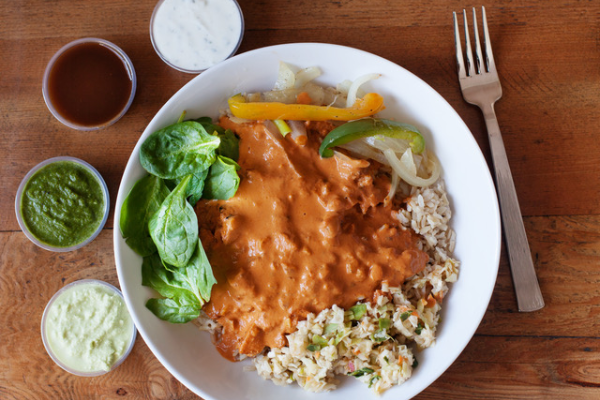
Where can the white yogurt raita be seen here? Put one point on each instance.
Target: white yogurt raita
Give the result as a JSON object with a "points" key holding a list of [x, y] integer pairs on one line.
{"points": [[193, 35]]}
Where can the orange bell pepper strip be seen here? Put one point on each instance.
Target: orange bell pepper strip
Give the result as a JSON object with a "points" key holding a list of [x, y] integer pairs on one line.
{"points": [[370, 104]]}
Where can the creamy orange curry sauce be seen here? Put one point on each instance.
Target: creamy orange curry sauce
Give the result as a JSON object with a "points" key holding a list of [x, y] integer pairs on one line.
{"points": [[301, 234]]}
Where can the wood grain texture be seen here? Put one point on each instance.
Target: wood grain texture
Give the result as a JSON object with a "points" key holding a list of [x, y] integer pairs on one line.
{"points": [[552, 353], [548, 55]]}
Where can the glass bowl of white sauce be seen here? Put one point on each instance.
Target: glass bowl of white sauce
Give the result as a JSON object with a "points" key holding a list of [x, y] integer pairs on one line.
{"points": [[192, 36]]}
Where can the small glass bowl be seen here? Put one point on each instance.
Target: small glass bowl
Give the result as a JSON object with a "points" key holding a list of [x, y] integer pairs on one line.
{"points": [[47, 342], [19, 197], [191, 71], [126, 62]]}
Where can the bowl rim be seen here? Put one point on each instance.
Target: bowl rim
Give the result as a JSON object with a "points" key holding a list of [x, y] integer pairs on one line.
{"points": [[25, 181], [46, 341], [194, 71], [128, 64]]}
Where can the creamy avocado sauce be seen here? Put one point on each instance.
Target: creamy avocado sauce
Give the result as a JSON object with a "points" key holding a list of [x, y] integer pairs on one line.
{"points": [[88, 327], [62, 204]]}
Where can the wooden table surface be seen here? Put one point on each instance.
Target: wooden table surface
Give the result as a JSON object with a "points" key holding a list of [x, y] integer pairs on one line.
{"points": [[548, 55]]}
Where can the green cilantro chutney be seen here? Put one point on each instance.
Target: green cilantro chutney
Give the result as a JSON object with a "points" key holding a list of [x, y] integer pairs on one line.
{"points": [[62, 204]]}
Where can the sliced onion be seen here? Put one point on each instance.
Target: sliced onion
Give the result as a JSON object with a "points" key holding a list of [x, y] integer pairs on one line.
{"points": [[353, 90], [409, 162], [343, 87], [298, 129], [408, 175], [285, 78], [334, 98], [360, 148], [393, 189], [272, 131], [306, 75], [382, 143], [355, 162], [237, 120], [288, 96]]}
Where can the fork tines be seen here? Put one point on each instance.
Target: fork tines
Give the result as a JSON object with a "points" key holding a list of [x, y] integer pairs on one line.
{"points": [[481, 65]]}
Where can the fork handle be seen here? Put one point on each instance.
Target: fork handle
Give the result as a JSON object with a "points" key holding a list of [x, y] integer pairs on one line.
{"points": [[527, 289]]}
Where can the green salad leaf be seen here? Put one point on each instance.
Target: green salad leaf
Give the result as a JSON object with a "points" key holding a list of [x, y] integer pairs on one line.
{"points": [[210, 126], [143, 200], [222, 181], [230, 145], [198, 275], [178, 150], [176, 310], [174, 227], [195, 187], [186, 289], [156, 276], [186, 161]]}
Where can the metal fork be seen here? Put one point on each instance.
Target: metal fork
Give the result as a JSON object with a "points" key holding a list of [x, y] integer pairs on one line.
{"points": [[481, 87]]}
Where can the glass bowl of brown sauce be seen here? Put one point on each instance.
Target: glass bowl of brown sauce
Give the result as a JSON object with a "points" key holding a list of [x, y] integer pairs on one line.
{"points": [[89, 84]]}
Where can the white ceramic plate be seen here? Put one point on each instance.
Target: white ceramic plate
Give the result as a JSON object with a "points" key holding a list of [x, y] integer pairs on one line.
{"points": [[189, 354]]}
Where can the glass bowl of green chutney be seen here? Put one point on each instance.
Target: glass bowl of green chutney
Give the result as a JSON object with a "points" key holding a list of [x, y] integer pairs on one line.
{"points": [[62, 204]]}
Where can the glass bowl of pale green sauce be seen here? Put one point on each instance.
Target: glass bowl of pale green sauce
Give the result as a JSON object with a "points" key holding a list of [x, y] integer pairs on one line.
{"points": [[86, 328], [62, 204]]}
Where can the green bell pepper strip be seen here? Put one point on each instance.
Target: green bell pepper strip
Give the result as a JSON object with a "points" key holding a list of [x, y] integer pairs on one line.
{"points": [[370, 127]]}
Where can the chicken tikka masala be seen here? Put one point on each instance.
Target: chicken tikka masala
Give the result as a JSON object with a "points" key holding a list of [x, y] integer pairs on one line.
{"points": [[303, 233]]}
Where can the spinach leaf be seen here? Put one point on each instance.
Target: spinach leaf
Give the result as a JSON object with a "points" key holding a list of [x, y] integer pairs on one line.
{"points": [[230, 145], [174, 227], [159, 278], [197, 275], [176, 311], [210, 127], [186, 289], [178, 150], [195, 187], [141, 203], [222, 181]]}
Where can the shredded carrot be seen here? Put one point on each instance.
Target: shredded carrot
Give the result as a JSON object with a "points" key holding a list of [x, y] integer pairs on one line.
{"points": [[400, 360], [415, 313], [356, 351], [439, 296], [430, 301], [303, 98], [301, 140]]}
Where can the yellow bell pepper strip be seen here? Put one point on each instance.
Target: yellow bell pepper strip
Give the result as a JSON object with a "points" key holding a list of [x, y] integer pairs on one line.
{"points": [[370, 104], [370, 127]]}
